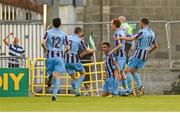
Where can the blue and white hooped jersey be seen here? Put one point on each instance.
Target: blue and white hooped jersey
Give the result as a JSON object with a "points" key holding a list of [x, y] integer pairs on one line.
{"points": [[146, 39], [15, 51], [120, 33], [75, 44], [55, 39], [109, 65]]}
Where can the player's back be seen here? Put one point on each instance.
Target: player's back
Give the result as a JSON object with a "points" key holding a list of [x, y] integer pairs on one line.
{"points": [[75, 43], [54, 54], [55, 38], [147, 39]]}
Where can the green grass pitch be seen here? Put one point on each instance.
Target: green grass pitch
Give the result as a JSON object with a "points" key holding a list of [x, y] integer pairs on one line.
{"points": [[144, 103]]}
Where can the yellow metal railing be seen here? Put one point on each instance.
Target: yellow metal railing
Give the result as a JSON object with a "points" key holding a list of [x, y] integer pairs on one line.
{"points": [[38, 79]]}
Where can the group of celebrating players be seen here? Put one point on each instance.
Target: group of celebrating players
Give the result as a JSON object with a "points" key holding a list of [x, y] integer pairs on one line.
{"points": [[62, 56]]}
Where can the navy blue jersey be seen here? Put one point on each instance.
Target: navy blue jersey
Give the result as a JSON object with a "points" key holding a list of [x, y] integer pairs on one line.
{"points": [[15, 51], [109, 65]]}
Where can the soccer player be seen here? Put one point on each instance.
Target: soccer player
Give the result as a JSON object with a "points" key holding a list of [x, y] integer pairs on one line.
{"points": [[119, 48], [147, 43], [72, 60], [129, 45], [52, 44], [14, 51], [85, 58], [112, 70]]}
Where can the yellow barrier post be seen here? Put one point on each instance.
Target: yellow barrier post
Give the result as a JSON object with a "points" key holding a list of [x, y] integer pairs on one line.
{"points": [[67, 83], [44, 77]]}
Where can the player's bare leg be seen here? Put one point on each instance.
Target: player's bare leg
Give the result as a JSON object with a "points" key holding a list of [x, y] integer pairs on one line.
{"points": [[124, 80], [80, 80], [56, 76], [140, 88], [73, 83], [129, 81]]}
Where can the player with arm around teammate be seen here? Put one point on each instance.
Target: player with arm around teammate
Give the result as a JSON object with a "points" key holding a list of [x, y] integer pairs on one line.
{"points": [[72, 60], [147, 43]]}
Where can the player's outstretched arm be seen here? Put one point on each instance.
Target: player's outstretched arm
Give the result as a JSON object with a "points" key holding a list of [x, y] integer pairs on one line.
{"points": [[116, 48], [134, 37], [125, 38], [5, 40], [88, 50], [83, 54]]}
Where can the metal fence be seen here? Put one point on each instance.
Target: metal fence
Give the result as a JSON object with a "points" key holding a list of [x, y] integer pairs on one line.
{"points": [[173, 34], [9, 12], [29, 33], [5, 62]]}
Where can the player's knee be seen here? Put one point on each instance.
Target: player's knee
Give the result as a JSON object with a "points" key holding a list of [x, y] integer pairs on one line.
{"points": [[120, 78], [128, 70], [56, 74], [123, 76], [121, 72]]}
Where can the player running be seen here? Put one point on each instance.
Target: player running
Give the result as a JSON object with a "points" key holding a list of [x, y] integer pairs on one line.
{"points": [[52, 44], [72, 60]]}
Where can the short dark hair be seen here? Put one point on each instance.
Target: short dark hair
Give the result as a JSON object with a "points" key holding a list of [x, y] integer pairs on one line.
{"points": [[106, 43], [77, 30], [117, 23], [145, 21], [56, 22]]}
